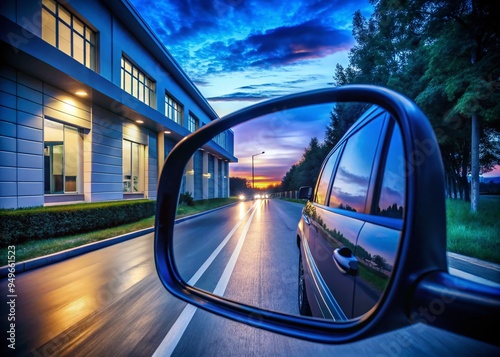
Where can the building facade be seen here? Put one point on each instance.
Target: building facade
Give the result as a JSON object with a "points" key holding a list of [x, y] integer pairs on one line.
{"points": [[91, 103]]}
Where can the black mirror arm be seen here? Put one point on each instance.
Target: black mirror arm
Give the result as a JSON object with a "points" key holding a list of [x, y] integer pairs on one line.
{"points": [[457, 304]]}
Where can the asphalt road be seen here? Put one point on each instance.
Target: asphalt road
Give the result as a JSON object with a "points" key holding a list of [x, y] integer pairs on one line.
{"points": [[111, 303]]}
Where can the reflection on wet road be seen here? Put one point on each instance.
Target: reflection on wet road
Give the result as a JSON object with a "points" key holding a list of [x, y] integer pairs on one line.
{"points": [[111, 302]]}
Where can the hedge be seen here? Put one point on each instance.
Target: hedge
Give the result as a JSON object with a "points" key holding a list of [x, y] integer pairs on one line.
{"points": [[25, 224]]}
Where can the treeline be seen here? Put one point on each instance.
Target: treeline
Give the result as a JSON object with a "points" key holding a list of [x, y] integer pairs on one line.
{"points": [[445, 55]]}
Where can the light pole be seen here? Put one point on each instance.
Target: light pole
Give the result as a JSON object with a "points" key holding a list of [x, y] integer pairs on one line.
{"points": [[253, 179]]}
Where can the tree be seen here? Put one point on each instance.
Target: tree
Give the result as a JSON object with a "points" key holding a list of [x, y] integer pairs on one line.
{"points": [[306, 171], [464, 58], [445, 55], [238, 185], [342, 117]]}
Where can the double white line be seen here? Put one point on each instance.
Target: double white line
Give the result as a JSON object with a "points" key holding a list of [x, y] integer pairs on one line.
{"points": [[167, 346]]}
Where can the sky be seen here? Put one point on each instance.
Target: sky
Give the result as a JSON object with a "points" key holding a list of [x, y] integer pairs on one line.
{"points": [[241, 52]]}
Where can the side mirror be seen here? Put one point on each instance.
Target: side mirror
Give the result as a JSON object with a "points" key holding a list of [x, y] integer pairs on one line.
{"points": [[305, 192], [204, 268]]}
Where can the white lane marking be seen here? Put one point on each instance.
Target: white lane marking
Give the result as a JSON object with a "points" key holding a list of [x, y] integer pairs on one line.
{"points": [[226, 275], [169, 343], [216, 252]]}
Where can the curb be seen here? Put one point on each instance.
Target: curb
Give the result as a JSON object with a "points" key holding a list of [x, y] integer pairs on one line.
{"points": [[34, 263]]}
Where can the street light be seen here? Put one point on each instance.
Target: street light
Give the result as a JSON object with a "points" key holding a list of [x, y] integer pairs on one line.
{"points": [[253, 179]]}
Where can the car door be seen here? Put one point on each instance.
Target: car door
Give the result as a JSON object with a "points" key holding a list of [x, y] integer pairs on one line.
{"points": [[379, 238], [342, 217], [319, 297]]}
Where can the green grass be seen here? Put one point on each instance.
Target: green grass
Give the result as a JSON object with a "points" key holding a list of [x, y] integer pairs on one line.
{"points": [[41, 247], [474, 234]]}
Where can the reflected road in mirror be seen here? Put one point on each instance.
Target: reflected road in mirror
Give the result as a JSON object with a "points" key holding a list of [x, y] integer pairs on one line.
{"points": [[250, 257]]}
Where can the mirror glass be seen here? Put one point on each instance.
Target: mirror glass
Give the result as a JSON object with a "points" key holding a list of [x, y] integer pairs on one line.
{"points": [[328, 257]]}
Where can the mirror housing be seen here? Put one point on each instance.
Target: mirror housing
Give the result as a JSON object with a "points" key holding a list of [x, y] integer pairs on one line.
{"points": [[305, 193], [421, 254]]}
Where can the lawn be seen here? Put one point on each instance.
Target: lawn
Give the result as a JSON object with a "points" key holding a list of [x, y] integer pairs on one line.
{"points": [[38, 248], [474, 234]]}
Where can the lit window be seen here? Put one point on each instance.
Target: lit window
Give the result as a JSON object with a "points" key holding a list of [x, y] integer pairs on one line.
{"points": [[133, 167], [68, 33], [193, 123], [62, 158], [136, 83], [173, 109]]}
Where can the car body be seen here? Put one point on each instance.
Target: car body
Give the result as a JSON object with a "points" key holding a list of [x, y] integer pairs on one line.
{"points": [[357, 203]]}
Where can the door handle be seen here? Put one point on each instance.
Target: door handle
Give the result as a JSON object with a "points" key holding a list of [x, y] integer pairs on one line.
{"points": [[345, 261]]}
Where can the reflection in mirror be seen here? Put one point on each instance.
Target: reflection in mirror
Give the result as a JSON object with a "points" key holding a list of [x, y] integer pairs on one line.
{"points": [[331, 257]]}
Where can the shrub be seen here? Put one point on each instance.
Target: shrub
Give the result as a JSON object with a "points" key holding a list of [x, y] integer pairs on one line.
{"points": [[25, 224], [185, 199]]}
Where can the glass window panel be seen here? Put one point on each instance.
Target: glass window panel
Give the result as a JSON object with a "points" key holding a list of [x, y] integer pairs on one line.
{"points": [[135, 88], [64, 38], [71, 139], [78, 51], [78, 26], [71, 159], [48, 27], [128, 83], [127, 166], [392, 195], [135, 167], [351, 182], [141, 179], [88, 56], [324, 181], [57, 162], [65, 15], [141, 93], [52, 131], [128, 66], [50, 4]]}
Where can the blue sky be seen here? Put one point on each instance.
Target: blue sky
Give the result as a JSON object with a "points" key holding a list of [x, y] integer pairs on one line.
{"points": [[241, 52]]}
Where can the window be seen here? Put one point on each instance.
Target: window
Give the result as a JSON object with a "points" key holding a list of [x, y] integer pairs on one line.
{"points": [[221, 139], [62, 158], [173, 109], [193, 123], [324, 181], [68, 33], [391, 202], [351, 182], [133, 167], [136, 83]]}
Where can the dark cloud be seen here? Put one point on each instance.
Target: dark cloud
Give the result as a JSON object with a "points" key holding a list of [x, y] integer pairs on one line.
{"points": [[239, 96], [281, 46]]}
